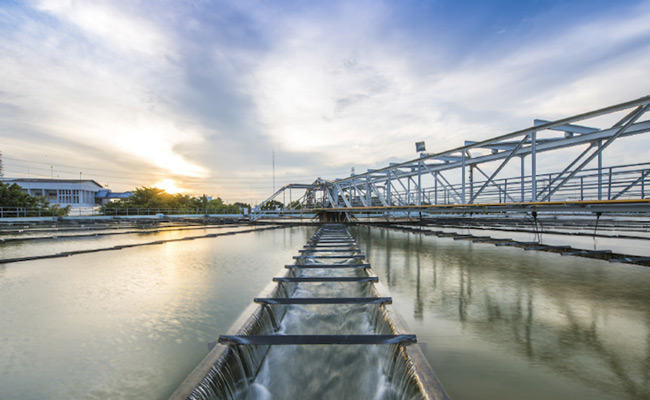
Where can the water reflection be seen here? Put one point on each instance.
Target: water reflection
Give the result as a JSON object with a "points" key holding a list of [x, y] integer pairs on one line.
{"points": [[583, 325], [129, 324], [62, 243]]}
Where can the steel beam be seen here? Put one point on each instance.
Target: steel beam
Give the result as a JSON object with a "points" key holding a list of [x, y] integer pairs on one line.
{"points": [[380, 183]]}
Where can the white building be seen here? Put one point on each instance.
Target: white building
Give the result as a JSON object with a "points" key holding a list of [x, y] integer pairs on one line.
{"points": [[75, 193]]}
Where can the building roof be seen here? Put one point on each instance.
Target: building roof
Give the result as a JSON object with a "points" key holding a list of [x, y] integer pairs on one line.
{"points": [[107, 194], [42, 180]]}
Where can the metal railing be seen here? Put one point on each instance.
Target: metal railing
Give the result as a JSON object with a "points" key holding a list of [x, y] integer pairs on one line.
{"points": [[617, 182], [35, 212], [473, 174], [25, 212], [168, 211]]}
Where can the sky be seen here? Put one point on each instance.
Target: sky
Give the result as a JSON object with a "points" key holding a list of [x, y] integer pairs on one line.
{"points": [[220, 97]]}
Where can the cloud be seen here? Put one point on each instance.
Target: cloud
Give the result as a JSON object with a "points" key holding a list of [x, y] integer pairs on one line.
{"points": [[358, 95], [88, 84], [329, 85], [205, 91], [547, 70], [102, 21]]}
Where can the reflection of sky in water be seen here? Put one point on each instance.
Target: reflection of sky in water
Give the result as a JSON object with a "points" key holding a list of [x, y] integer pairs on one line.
{"points": [[130, 323], [62, 244], [500, 321], [518, 324], [638, 247], [26, 231]]}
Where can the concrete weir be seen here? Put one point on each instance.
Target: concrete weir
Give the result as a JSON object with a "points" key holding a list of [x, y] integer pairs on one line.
{"points": [[325, 329]]}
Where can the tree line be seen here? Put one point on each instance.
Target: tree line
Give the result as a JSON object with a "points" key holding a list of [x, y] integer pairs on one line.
{"points": [[150, 198], [158, 199], [12, 196]]}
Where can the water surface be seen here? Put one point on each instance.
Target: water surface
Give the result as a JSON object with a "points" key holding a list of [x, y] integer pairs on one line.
{"points": [[128, 324], [494, 322], [512, 324]]}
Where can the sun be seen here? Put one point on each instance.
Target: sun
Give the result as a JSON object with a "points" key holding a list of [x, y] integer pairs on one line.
{"points": [[169, 186]]}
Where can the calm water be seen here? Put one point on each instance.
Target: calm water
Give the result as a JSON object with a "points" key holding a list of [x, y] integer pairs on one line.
{"points": [[494, 322], [128, 324], [511, 324], [63, 243], [637, 247]]}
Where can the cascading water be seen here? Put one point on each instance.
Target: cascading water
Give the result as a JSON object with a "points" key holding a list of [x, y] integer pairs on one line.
{"points": [[329, 268]]}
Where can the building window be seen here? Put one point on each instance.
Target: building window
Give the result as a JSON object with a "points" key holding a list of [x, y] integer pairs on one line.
{"points": [[68, 196]]}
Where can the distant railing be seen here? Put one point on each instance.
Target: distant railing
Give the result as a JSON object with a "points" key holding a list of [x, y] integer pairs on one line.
{"points": [[26, 212], [168, 211], [616, 182], [34, 212]]}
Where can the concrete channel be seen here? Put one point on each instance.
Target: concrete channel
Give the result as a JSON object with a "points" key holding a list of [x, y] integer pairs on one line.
{"points": [[324, 329]]}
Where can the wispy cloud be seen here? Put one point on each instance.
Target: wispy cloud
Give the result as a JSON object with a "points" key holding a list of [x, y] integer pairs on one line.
{"points": [[89, 84], [359, 95], [112, 24], [203, 91]]}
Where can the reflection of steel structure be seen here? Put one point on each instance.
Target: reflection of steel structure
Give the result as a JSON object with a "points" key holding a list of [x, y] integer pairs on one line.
{"points": [[563, 325], [471, 176]]}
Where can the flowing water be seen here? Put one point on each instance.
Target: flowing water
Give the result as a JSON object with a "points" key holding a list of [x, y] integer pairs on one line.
{"points": [[494, 322], [322, 372]]}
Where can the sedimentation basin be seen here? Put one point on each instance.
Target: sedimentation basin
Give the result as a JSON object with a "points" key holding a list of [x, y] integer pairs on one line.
{"points": [[490, 320]]}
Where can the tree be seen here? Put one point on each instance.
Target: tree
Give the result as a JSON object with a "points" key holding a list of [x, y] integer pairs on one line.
{"points": [[12, 195], [241, 206], [273, 205], [161, 201], [295, 205]]}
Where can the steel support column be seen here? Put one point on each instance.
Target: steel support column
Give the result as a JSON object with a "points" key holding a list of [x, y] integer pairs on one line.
{"points": [[463, 179], [523, 187], [600, 170], [419, 183], [435, 183], [533, 166], [388, 189]]}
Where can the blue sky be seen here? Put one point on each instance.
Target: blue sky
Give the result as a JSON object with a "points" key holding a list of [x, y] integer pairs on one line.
{"points": [[132, 93]]}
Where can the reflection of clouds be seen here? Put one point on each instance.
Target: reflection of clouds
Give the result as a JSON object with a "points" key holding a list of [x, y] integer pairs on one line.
{"points": [[584, 320]]}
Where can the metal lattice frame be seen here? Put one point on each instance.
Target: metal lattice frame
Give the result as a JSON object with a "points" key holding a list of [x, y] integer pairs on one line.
{"points": [[427, 180]]}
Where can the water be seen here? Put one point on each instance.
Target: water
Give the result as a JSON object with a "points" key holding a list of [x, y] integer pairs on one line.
{"points": [[322, 372], [635, 247], [63, 243], [129, 324], [515, 324], [494, 322]]}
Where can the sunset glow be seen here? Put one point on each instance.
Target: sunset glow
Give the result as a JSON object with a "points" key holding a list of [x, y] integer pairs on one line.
{"points": [[124, 91], [169, 186]]}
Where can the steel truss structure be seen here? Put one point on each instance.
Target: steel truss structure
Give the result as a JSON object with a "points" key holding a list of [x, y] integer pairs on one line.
{"points": [[471, 176]]}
